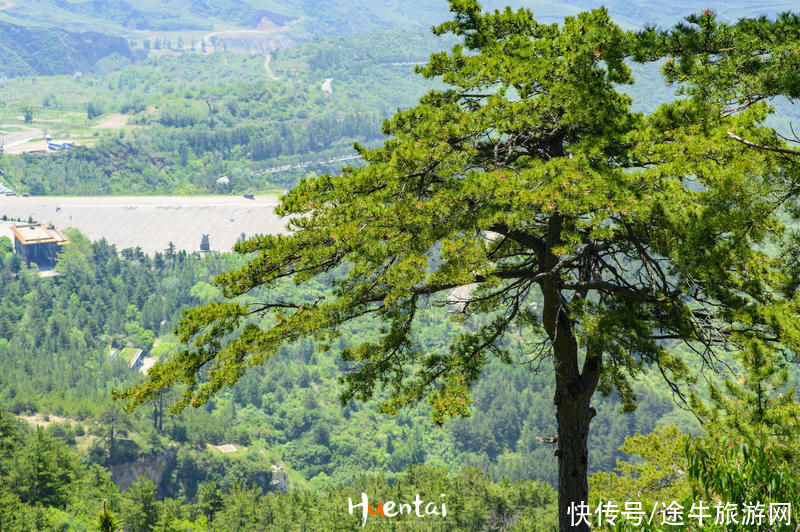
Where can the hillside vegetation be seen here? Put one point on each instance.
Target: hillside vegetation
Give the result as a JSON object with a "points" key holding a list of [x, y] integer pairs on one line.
{"points": [[187, 120], [239, 96], [48, 51]]}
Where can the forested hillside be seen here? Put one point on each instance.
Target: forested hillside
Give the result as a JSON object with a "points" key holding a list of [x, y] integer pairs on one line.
{"points": [[184, 97], [30, 51], [333, 17], [57, 335], [190, 119]]}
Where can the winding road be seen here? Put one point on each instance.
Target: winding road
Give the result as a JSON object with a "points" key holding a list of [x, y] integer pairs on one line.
{"points": [[270, 73]]}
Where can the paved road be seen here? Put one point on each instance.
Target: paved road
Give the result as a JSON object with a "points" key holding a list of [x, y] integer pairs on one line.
{"points": [[152, 222]]}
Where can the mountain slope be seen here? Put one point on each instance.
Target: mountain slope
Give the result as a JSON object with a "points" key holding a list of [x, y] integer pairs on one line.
{"points": [[47, 51], [335, 17]]}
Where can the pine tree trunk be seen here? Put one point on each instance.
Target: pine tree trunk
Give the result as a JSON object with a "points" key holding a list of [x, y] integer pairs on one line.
{"points": [[574, 416], [575, 386]]}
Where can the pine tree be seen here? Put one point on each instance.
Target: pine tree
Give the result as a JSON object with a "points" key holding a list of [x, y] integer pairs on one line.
{"points": [[760, 409], [529, 179], [106, 521], [209, 499], [750, 449], [139, 511]]}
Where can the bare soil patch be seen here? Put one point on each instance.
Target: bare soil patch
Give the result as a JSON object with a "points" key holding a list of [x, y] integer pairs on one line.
{"points": [[28, 146], [270, 73], [226, 448], [112, 121], [38, 420], [152, 222]]}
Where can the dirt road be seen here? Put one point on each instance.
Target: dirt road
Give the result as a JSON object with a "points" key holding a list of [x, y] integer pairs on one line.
{"points": [[270, 73]]}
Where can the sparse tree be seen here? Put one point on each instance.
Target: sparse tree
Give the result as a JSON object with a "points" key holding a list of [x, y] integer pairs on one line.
{"points": [[115, 422], [27, 110], [94, 109]]}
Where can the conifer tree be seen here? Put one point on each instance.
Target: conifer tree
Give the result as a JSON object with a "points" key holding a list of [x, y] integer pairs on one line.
{"points": [[106, 521], [528, 179], [750, 449], [760, 409]]}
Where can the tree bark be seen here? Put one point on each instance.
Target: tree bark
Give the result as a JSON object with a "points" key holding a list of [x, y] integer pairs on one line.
{"points": [[573, 415], [574, 389]]}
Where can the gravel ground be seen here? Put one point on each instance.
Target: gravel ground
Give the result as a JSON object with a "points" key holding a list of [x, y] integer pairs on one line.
{"points": [[152, 222]]}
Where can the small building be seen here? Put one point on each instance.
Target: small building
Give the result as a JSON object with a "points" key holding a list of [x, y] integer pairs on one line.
{"points": [[133, 356], [38, 244], [59, 145]]}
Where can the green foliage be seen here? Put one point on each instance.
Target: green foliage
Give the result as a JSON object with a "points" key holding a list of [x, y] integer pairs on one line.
{"points": [[525, 199], [41, 478], [750, 451], [115, 424], [106, 521], [94, 109], [27, 111], [56, 333], [139, 509], [271, 407], [49, 50], [473, 503], [287, 409], [528, 179], [746, 456], [741, 473], [761, 409], [44, 472], [658, 472], [224, 121], [209, 499]]}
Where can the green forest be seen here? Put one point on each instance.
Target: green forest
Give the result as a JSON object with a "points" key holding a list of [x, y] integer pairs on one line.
{"points": [[534, 279], [56, 339], [192, 118]]}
